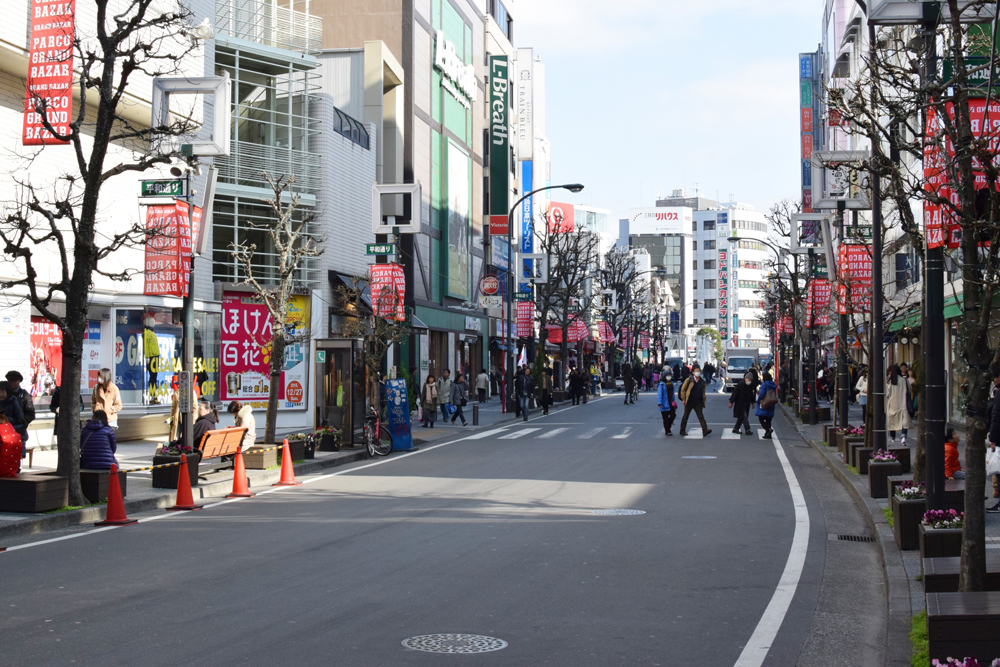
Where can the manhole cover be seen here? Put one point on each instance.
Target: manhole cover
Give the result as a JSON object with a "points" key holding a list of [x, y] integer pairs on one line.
{"points": [[617, 512], [454, 643], [697, 457]]}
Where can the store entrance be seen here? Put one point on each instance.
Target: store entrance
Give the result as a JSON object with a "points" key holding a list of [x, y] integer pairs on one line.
{"points": [[340, 400]]}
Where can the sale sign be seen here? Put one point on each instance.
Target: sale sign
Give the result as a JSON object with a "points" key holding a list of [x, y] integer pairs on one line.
{"points": [[388, 289], [48, 95], [577, 331], [168, 250], [246, 351], [525, 319], [605, 332], [854, 264], [643, 340], [818, 302]]}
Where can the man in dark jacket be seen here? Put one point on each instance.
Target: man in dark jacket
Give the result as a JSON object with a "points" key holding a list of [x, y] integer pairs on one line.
{"points": [[11, 407], [628, 381], [23, 397], [524, 388], [740, 401], [693, 395]]}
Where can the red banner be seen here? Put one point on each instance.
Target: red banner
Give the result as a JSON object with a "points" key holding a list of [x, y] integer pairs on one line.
{"points": [[499, 225], [560, 218], [388, 289], [526, 319], [168, 250], [785, 325], [819, 299], [577, 331], [643, 340], [46, 357], [554, 335], [50, 72], [605, 332], [854, 264]]}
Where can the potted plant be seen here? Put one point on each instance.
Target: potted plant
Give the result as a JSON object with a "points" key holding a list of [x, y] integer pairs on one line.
{"points": [[166, 478], [909, 504], [310, 452], [297, 446], [329, 439], [941, 534], [880, 467]]}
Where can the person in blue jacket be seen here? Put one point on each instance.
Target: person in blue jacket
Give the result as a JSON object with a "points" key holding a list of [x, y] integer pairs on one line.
{"points": [[97, 443], [765, 415], [665, 400]]}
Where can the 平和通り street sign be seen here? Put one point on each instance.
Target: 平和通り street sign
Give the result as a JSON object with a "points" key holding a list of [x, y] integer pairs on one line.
{"points": [[379, 249], [162, 188]]}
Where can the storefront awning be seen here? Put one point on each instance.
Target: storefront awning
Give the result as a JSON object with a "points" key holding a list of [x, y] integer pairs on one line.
{"points": [[337, 279]]}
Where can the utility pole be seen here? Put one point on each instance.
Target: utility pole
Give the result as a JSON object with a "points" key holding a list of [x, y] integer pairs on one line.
{"points": [[187, 330], [813, 403], [843, 391]]}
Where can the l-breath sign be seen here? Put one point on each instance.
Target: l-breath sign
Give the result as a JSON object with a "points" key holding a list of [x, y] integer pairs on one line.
{"points": [[499, 145]]}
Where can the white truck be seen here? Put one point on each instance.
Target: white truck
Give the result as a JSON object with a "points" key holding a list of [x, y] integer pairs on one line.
{"points": [[738, 362]]}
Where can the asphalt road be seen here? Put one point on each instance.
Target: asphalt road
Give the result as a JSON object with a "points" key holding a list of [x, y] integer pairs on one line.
{"points": [[490, 535]]}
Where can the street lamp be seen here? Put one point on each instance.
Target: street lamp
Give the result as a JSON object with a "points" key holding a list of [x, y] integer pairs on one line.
{"points": [[512, 276]]}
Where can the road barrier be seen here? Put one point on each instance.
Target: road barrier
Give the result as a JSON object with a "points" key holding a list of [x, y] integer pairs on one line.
{"points": [[287, 470], [241, 486], [115, 514], [185, 498]]}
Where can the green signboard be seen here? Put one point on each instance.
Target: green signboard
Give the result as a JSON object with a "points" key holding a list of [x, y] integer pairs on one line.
{"points": [[522, 296], [380, 249], [859, 232], [979, 79], [499, 140], [805, 93], [162, 188]]}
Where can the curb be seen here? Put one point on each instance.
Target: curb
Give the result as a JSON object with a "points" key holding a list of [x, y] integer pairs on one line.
{"points": [[897, 647]]}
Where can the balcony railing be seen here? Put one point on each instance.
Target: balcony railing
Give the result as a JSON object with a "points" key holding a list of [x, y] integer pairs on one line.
{"points": [[268, 24], [247, 160]]}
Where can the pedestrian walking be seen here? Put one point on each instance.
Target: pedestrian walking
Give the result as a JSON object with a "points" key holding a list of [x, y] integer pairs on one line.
{"points": [[459, 397], [444, 394], [482, 385], [767, 399], [740, 401], [693, 397], [647, 378], [106, 397], [428, 402], [897, 418], [11, 408], [97, 443], [23, 397], [665, 401], [576, 387], [524, 388], [862, 388], [545, 388], [628, 381], [243, 418]]}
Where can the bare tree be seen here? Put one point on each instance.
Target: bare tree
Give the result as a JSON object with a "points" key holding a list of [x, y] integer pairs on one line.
{"points": [[273, 284], [59, 218], [620, 276]]}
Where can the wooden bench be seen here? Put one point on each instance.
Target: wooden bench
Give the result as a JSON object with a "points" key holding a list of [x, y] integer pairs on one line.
{"points": [[964, 624], [941, 574], [221, 442]]}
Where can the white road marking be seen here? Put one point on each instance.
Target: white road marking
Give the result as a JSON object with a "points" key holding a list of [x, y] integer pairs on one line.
{"points": [[551, 434], [760, 433], [727, 434], [623, 434], [760, 641], [591, 433], [517, 434], [486, 434], [694, 434]]}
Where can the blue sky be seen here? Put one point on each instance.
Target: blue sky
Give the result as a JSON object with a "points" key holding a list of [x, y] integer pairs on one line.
{"points": [[664, 94]]}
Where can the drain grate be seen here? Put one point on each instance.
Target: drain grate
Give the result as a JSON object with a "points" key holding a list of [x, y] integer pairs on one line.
{"points": [[617, 512], [855, 538], [450, 643]]}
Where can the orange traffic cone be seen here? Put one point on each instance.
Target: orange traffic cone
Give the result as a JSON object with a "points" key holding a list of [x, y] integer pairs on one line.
{"points": [[185, 499], [240, 487], [287, 471], [115, 516]]}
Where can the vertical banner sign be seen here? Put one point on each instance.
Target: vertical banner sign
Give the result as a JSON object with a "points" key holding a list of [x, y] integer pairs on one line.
{"points": [[643, 340], [246, 351], [577, 331], [724, 294], [525, 104], [818, 303], [50, 72], [499, 144], [806, 125], [854, 263], [560, 218], [605, 332], [90, 365], [527, 243], [525, 319], [388, 289], [398, 409], [168, 250], [46, 357]]}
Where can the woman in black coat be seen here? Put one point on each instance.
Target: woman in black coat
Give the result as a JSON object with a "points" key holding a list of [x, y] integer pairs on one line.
{"points": [[740, 401]]}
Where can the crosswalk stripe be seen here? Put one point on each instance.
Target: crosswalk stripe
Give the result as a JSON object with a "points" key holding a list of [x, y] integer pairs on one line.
{"points": [[550, 434], [517, 434], [760, 433], [591, 433], [694, 434], [486, 434], [623, 434], [727, 434]]}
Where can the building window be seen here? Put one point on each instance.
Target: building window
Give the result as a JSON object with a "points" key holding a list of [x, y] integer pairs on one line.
{"points": [[710, 304], [750, 245], [751, 304], [750, 324], [695, 284], [695, 265], [750, 284], [709, 225], [710, 245], [710, 284], [710, 320], [694, 321], [503, 19], [350, 128], [694, 244], [710, 263], [749, 265]]}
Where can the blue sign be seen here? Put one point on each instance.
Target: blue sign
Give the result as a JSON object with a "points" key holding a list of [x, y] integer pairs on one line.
{"points": [[675, 322], [93, 331], [527, 218], [805, 66], [722, 218], [398, 409], [500, 257], [807, 174]]}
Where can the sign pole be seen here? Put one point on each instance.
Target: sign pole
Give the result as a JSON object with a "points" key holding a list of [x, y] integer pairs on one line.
{"points": [[843, 391], [187, 334]]}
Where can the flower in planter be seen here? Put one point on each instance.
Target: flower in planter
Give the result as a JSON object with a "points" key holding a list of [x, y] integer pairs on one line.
{"points": [[943, 518], [174, 449], [855, 430], [883, 456], [910, 491], [967, 662]]}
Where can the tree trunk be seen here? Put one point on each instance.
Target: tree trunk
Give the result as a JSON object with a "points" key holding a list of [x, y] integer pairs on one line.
{"points": [[68, 422], [564, 353], [920, 455], [277, 362]]}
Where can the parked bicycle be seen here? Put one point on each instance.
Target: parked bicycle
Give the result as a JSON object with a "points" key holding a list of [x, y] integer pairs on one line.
{"points": [[377, 438]]}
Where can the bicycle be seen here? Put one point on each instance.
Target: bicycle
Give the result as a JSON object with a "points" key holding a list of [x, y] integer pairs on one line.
{"points": [[635, 393], [377, 438]]}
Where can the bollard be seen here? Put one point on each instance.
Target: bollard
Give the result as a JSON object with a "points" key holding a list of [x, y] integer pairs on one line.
{"points": [[475, 414]]}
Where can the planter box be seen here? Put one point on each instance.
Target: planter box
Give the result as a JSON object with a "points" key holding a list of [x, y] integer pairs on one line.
{"points": [[895, 481], [941, 574], [963, 624], [256, 458], [329, 443], [848, 444], [33, 493], [852, 449], [902, 455], [822, 412], [878, 477], [940, 543], [864, 455], [95, 484], [906, 517], [298, 449], [166, 478], [310, 449]]}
